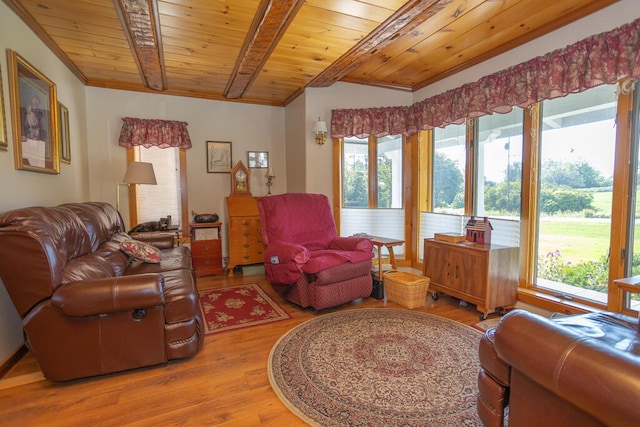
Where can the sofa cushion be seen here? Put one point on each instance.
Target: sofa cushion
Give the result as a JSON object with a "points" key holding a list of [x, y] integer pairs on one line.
{"points": [[176, 258], [141, 251], [87, 267]]}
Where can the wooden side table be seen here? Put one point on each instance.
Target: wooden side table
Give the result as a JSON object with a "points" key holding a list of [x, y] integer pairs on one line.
{"points": [[206, 248], [379, 242]]}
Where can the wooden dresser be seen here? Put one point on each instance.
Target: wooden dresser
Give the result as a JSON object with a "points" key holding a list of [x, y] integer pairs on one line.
{"points": [[481, 274], [206, 248], [245, 234]]}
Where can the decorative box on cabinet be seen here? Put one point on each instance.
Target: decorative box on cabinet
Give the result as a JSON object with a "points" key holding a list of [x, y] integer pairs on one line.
{"points": [[482, 274], [206, 248], [245, 232]]}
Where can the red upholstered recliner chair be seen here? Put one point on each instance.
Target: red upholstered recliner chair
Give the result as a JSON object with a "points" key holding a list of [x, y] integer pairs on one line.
{"points": [[305, 260]]}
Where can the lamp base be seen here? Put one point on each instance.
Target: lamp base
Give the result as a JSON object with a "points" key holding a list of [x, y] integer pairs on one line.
{"points": [[269, 184]]}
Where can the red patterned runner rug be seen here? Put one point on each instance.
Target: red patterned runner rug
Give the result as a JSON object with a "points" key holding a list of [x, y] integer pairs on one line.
{"points": [[378, 367], [238, 307]]}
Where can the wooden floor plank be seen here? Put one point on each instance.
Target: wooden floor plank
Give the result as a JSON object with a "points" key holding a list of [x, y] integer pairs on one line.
{"points": [[225, 384]]}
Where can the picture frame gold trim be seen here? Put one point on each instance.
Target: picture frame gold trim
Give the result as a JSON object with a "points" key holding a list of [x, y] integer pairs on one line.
{"points": [[4, 142], [63, 133], [34, 117], [219, 157]]}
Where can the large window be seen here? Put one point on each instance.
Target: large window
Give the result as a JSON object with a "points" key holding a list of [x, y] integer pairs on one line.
{"points": [[355, 173], [499, 165], [632, 261], [165, 199], [577, 148], [372, 194], [449, 163]]}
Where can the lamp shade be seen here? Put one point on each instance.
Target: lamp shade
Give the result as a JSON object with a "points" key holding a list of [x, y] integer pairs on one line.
{"points": [[319, 126], [140, 173]]}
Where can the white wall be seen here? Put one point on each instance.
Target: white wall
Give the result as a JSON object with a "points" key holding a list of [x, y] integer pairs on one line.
{"points": [[22, 188], [248, 127], [295, 120]]}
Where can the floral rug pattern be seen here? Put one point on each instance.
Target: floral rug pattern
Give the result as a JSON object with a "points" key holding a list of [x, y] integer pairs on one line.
{"points": [[237, 307], [378, 367]]}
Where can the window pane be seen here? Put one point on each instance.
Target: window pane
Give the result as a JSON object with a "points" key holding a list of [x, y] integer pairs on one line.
{"points": [[499, 165], [574, 201], [355, 173], [633, 261], [448, 169], [159, 201], [390, 171]]}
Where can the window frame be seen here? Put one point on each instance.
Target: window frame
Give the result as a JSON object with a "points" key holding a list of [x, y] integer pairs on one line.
{"points": [[409, 192], [132, 156], [528, 292]]}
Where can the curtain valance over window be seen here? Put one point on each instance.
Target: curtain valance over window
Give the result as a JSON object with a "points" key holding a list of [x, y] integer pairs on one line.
{"points": [[602, 58], [154, 133]]}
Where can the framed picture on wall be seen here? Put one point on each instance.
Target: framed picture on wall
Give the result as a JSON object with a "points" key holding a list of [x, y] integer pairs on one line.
{"points": [[218, 157], [4, 144], [258, 159], [33, 116], [63, 133]]}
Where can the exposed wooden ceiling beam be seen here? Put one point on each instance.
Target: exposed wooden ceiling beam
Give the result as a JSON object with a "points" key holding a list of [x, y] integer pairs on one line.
{"points": [[268, 26], [412, 14], [141, 24]]}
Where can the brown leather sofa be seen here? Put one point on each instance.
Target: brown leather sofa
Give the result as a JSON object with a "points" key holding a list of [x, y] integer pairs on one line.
{"points": [[87, 308], [581, 370]]}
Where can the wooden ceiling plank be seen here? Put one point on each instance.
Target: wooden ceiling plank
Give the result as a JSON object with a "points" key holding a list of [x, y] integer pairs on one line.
{"points": [[30, 21], [140, 23], [267, 28], [412, 14], [407, 48], [503, 31]]}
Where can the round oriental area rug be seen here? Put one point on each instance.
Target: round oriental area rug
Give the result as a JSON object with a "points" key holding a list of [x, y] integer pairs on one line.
{"points": [[378, 367]]}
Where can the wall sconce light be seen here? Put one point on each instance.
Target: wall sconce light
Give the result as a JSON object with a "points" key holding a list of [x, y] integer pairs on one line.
{"points": [[137, 173], [269, 175], [319, 129]]}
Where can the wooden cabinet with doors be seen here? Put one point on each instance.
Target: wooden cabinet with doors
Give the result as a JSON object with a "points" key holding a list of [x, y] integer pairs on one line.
{"points": [[245, 232], [482, 274]]}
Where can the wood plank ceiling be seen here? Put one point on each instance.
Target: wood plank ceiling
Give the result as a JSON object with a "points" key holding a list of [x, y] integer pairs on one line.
{"points": [[268, 52]]}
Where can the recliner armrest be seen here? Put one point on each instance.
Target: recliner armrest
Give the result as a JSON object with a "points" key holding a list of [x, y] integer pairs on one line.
{"points": [[283, 261], [360, 244], [594, 365], [159, 239], [287, 252], [110, 295]]}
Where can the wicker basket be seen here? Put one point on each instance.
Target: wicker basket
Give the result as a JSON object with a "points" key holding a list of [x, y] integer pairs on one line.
{"points": [[407, 289]]}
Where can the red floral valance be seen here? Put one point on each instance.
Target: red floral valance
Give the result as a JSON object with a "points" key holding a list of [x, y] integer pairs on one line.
{"points": [[154, 133], [602, 58]]}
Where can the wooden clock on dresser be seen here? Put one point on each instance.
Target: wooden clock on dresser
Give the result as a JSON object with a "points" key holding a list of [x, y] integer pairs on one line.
{"points": [[245, 233]]}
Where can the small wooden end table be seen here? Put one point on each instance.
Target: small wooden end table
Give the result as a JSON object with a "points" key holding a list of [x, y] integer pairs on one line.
{"points": [[379, 242]]}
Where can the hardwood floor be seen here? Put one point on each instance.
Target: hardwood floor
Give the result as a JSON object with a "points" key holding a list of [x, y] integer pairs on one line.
{"points": [[225, 384]]}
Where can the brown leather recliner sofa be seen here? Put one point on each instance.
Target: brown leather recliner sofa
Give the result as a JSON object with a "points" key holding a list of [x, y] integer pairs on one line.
{"points": [[87, 308], [581, 370]]}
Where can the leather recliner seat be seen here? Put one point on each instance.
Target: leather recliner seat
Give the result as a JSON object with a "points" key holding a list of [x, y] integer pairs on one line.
{"points": [[87, 308]]}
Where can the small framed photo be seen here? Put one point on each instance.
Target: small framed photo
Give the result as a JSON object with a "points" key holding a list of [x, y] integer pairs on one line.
{"points": [[258, 159], [63, 133], [218, 157]]}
